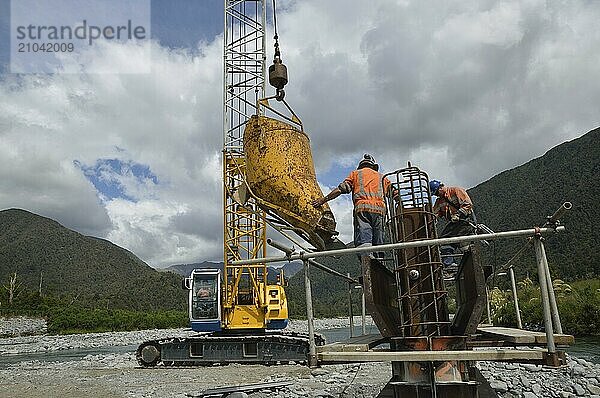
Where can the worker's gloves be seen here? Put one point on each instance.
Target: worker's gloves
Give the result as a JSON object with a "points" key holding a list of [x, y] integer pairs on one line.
{"points": [[464, 213], [318, 202], [454, 218]]}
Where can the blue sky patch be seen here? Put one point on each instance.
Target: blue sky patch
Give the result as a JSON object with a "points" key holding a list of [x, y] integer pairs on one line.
{"points": [[335, 175], [184, 23], [174, 24], [118, 179]]}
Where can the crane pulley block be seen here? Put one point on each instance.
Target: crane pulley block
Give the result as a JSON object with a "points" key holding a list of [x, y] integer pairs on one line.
{"points": [[278, 77]]}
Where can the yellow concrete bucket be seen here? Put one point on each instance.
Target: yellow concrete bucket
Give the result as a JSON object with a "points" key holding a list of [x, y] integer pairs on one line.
{"points": [[281, 176]]}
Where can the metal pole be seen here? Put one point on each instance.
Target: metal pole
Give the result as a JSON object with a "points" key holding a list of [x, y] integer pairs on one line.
{"points": [[312, 347], [553, 307], [513, 284], [350, 307], [403, 245], [540, 256], [487, 302], [363, 311], [553, 219], [290, 250]]}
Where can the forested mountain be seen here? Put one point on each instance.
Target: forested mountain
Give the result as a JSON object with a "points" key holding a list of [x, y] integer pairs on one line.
{"points": [[186, 269], [524, 196], [89, 271], [290, 269]]}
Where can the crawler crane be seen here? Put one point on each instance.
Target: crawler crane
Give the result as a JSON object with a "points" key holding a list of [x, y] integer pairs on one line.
{"points": [[238, 315]]}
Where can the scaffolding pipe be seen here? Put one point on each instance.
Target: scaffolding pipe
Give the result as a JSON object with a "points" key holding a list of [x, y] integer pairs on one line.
{"points": [[553, 306], [290, 250], [350, 287], [540, 255], [363, 311], [487, 302], [552, 220], [312, 347], [513, 283], [333, 272], [555, 218], [417, 243]]}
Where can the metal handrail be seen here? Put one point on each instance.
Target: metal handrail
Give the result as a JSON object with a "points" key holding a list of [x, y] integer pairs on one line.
{"points": [[551, 220], [391, 246]]}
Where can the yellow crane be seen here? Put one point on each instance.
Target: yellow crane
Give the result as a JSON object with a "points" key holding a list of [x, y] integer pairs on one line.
{"points": [[268, 179]]}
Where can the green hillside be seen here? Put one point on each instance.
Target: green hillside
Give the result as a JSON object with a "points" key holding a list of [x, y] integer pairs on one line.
{"points": [[522, 197], [87, 271], [330, 293]]}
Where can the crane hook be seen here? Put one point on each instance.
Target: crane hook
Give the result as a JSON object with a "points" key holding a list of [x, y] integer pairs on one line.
{"points": [[278, 73]]}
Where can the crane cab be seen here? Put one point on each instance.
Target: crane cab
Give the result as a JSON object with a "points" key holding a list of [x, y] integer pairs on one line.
{"points": [[204, 302]]}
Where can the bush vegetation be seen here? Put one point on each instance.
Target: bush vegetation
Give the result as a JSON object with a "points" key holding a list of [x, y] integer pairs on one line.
{"points": [[64, 315], [578, 306], [86, 320]]}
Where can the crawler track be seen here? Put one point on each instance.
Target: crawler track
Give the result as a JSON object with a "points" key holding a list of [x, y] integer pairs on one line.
{"points": [[223, 348]]}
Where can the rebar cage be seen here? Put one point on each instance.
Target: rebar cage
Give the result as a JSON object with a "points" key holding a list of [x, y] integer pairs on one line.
{"points": [[418, 271]]}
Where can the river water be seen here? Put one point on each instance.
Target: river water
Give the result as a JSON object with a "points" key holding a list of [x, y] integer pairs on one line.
{"points": [[587, 348]]}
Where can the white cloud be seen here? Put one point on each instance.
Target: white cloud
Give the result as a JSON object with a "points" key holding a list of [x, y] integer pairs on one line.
{"points": [[342, 210], [489, 84], [463, 89], [168, 120], [500, 26]]}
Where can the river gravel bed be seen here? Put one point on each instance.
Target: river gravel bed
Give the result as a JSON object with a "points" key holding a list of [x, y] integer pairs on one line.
{"points": [[39, 343], [118, 375]]}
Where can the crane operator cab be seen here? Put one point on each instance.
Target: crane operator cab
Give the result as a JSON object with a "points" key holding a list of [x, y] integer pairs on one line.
{"points": [[204, 286]]}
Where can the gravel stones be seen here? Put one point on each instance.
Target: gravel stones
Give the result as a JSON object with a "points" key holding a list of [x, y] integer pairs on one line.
{"points": [[579, 378], [319, 372], [579, 390], [22, 326], [117, 374], [593, 389], [499, 386]]}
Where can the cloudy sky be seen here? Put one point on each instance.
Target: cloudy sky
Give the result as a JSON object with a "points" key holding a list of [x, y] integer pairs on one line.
{"points": [[463, 89]]}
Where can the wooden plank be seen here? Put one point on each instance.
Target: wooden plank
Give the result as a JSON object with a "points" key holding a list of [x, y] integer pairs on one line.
{"points": [[364, 339], [416, 356], [520, 336], [559, 339], [337, 347], [516, 336], [354, 344]]}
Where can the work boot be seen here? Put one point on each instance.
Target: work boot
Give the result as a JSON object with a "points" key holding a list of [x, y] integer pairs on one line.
{"points": [[447, 255], [465, 247]]}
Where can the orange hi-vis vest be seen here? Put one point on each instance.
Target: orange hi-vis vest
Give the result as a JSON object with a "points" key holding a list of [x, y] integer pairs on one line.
{"points": [[367, 191], [451, 201]]}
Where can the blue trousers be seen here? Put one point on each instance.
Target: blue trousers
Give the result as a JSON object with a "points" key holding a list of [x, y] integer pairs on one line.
{"points": [[368, 228]]}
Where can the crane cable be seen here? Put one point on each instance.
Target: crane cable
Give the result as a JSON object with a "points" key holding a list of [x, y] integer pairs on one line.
{"points": [[276, 37], [278, 71]]}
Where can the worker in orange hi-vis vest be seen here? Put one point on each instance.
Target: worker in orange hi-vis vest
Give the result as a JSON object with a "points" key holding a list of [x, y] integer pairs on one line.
{"points": [[365, 184], [455, 206]]}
